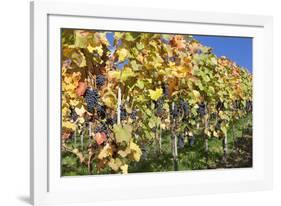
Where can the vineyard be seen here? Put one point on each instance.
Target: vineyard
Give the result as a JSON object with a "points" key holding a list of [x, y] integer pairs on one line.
{"points": [[145, 102]]}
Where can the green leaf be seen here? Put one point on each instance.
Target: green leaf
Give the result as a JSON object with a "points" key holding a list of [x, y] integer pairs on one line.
{"points": [[139, 46], [129, 36], [122, 133]]}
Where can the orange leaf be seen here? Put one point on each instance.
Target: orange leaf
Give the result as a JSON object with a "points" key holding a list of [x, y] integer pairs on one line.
{"points": [[80, 90], [100, 137]]}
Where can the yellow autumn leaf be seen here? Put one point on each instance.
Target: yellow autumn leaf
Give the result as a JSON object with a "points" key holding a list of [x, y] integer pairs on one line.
{"points": [[215, 134], [124, 169], [80, 111], [98, 49], [115, 164], [68, 125], [124, 153], [136, 151], [196, 93], [109, 99], [122, 54], [90, 48], [105, 152], [74, 102], [127, 73], [114, 75], [155, 94]]}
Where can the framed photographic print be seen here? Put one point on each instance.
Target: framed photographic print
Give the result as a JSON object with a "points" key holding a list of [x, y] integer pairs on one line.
{"points": [[167, 104]]}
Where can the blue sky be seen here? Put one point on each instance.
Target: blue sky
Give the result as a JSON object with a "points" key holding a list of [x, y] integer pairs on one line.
{"points": [[238, 49]]}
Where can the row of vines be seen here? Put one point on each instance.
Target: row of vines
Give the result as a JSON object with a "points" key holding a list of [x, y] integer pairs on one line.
{"points": [[124, 97]]}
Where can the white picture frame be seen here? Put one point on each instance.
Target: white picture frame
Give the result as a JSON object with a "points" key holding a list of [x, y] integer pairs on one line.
{"points": [[47, 186]]}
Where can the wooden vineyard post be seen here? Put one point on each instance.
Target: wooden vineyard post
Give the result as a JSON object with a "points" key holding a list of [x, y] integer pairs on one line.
{"points": [[90, 131], [82, 140], [206, 125], [232, 128], [119, 105], [160, 139], [174, 143], [75, 136], [225, 149]]}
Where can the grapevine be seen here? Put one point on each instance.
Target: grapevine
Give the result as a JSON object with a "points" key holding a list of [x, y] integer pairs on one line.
{"points": [[145, 96]]}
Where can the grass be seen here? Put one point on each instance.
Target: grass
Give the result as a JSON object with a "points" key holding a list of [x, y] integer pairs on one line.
{"points": [[189, 158]]}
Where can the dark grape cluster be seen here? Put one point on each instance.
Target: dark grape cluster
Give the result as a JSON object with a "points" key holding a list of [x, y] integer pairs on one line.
{"points": [[100, 80], [184, 106], [202, 109], [174, 111], [180, 141], [73, 114], [236, 104], [249, 106], [144, 155], [220, 106], [91, 97], [218, 124], [101, 111], [109, 121], [123, 113], [159, 106], [133, 115], [213, 115], [102, 128], [191, 141], [165, 90]]}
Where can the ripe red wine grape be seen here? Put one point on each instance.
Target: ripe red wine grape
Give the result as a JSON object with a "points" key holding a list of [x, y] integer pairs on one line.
{"points": [[180, 142], [100, 80], [123, 113], [219, 106], [101, 111], [165, 90], [133, 115], [91, 97], [202, 109], [73, 114], [191, 141]]}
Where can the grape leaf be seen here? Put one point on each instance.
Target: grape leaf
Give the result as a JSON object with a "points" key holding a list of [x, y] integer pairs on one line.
{"points": [[122, 133]]}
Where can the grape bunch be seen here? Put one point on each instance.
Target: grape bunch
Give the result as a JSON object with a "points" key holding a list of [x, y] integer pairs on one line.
{"points": [[249, 106], [220, 106], [174, 111], [73, 114], [101, 111], [191, 141], [102, 128], [100, 80], [133, 115], [109, 121], [165, 90], [123, 113], [184, 106], [236, 104], [202, 109], [91, 97], [159, 106], [218, 124], [180, 142]]}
